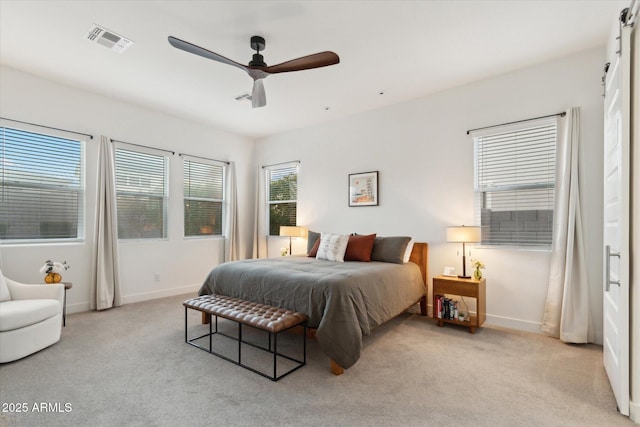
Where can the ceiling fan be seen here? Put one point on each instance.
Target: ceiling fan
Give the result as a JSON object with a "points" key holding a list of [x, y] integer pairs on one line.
{"points": [[257, 68]]}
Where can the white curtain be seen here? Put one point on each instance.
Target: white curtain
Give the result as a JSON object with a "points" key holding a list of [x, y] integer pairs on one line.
{"points": [[231, 249], [105, 289], [259, 226], [567, 315]]}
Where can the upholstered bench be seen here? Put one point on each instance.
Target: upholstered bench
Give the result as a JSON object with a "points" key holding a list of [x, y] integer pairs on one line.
{"points": [[260, 316]]}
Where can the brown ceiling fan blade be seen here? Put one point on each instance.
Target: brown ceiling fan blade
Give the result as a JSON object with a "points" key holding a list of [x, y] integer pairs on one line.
{"points": [[197, 50], [316, 60]]}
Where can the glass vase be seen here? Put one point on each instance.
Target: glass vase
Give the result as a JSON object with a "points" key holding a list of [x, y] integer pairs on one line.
{"points": [[52, 278], [477, 274]]}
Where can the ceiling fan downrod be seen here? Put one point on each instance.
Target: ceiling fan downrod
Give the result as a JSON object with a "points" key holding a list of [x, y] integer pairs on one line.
{"points": [[257, 44]]}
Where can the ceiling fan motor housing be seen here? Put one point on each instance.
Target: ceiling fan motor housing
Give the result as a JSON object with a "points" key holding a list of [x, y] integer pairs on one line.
{"points": [[257, 61]]}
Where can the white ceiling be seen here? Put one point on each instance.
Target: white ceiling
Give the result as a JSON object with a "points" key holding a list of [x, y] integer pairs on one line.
{"points": [[407, 49]]}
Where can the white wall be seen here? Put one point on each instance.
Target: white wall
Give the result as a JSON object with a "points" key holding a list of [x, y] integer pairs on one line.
{"points": [[420, 148], [425, 164], [181, 263]]}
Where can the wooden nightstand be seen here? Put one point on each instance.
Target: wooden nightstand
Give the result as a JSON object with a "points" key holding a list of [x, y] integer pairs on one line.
{"points": [[447, 285]]}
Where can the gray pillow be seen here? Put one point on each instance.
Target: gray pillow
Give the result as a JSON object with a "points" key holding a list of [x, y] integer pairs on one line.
{"points": [[390, 249], [311, 239]]}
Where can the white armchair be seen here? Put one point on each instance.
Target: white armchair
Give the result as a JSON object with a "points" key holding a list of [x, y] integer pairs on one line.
{"points": [[30, 317]]}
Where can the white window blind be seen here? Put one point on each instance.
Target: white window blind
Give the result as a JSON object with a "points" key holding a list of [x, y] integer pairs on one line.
{"points": [[141, 193], [203, 198], [514, 184], [282, 195], [41, 186]]}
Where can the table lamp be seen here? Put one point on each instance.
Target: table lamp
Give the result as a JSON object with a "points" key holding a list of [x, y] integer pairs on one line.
{"points": [[462, 234], [291, 231]]}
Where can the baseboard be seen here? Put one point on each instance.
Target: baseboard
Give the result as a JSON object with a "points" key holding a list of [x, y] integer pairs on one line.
{"points": [[145, 296], [78, 307], [519, 324], [139, 297], [511, 323], [508, 322], [634, 412], [525, 325]]}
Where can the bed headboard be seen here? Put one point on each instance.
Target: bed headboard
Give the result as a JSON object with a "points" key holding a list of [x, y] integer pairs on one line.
{"points": [[419, 256]]}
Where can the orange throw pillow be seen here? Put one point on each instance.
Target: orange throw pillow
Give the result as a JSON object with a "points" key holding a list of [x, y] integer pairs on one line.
{"points": [[359, 248]]}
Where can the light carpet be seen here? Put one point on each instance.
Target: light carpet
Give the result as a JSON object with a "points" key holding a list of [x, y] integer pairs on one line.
{"points": [[130, 366]]}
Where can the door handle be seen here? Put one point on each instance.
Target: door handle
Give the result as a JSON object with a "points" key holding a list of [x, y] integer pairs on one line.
{"points": [[608, 256]]}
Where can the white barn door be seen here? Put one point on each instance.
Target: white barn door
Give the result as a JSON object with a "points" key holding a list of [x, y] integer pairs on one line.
{"points": [[616, 214]]}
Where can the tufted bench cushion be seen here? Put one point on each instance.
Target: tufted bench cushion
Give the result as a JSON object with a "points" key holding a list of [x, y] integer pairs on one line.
{"points": [[260, 316]]}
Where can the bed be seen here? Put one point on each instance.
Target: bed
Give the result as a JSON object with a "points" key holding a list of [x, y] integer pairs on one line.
{"points": [[344, 300]]}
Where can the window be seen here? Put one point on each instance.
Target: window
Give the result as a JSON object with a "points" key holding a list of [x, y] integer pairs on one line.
{"points": [[514, 184], [203, 198], [141, 193], [41, 186], [282, 195]]}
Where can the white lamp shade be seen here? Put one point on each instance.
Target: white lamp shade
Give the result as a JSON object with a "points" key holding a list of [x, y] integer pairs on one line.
{"points": [[292, 231], [462, 234]]}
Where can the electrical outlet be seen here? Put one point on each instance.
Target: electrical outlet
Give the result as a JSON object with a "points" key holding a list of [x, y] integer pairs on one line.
{"points": [[156, 277]]}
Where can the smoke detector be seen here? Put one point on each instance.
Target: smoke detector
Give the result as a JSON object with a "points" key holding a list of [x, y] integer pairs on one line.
{"points": [[108, 39]]}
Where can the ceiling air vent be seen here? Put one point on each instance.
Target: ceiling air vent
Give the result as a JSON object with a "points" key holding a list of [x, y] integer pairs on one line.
{"points": [[244, 97], [107, 38]]}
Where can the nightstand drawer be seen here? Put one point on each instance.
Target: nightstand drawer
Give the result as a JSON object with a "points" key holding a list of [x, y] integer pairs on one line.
{"points": [[457, 287]]}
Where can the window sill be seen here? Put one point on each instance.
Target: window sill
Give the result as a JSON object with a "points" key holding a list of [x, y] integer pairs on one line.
{"points": [[514, 248], [34, 242], [147, 240], [207, 237]]}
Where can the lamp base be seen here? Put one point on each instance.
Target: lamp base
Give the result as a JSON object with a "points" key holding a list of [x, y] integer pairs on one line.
{"points": [[464, 265]]}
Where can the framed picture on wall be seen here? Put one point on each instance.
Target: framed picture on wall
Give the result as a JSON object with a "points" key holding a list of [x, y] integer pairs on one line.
{"points": [[363, 189]]}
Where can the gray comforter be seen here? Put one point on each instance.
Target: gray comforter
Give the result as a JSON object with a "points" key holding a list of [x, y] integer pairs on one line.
{"points": [[344, 300]]}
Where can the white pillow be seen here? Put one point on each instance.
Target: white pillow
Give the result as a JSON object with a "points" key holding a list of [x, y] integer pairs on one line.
{"points": [[407, 252], [332, 247]]}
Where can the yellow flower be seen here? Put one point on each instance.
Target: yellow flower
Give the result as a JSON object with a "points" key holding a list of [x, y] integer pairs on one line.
{"points": [[477, 263]]}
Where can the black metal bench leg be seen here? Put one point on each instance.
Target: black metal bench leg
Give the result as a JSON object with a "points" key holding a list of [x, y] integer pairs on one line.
{"points": [[239, 343], [211, 334], [275, 354], [304, 343]]}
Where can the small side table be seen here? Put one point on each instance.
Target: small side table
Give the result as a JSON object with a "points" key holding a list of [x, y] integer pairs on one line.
{"points": [[67, 285], [462, 287]]}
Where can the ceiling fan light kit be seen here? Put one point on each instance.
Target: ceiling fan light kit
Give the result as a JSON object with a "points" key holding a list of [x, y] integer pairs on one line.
{"points": [[257, 68]]}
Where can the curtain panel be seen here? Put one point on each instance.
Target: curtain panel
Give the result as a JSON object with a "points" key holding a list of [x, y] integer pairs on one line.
{"points": [[259, 225], [231, 249], [567, 315], [105, 289]]}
